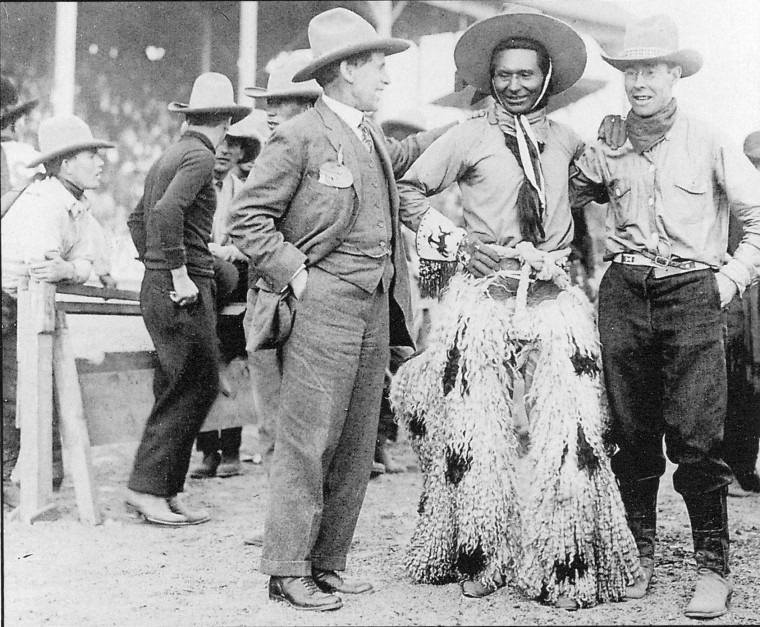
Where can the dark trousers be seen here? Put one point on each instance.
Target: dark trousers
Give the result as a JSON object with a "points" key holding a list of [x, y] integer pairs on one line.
{"points": [[332, 379], [665, 370], [740, 444], [185, 383], [225, 440]]}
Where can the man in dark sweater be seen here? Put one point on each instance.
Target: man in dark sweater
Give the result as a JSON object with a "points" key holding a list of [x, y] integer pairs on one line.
{"points": [[171, 228]]}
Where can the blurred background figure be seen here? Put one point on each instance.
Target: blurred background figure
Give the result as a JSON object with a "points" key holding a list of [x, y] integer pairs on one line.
{"points": [[240, 146], [14, 174], [740, 440]]}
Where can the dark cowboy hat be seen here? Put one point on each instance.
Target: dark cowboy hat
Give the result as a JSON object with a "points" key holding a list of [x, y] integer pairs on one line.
{"points": [[10, 111], [280, 83], [655, 39], [212, 93], [64, 135], [472, 53], [337, 34]]}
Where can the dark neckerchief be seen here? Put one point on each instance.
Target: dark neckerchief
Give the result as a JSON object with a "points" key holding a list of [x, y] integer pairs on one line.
{"points": [[76, 191], [646, 132], [530, 211]]}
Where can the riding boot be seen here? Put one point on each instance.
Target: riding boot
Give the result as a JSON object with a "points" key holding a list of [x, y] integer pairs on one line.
{"points": [[640, 500], [708, 513]]}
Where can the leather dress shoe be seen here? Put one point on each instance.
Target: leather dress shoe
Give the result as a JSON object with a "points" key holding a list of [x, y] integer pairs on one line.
{"points": [[229, 466], [153, 509], [377, 470], [330, 581], [639, 587], [477, 590], [302, 593], [194, 517], [207, 467]]}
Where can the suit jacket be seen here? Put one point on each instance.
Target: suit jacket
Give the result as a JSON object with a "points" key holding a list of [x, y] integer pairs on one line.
{"points": [[291, 212]]}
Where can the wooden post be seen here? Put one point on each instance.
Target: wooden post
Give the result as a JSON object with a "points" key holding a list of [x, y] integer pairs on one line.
{"points": [[74, 434], [36, 314]]}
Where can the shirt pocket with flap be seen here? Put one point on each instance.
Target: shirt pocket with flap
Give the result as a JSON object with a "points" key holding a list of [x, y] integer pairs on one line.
{"points": [[688, 203], [621, 199]]}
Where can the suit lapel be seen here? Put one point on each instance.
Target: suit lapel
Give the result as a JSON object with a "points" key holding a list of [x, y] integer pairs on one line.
{"points": [[385, 159]]}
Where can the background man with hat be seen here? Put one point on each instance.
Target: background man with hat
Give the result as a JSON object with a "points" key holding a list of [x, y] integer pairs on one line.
{"points": [[662, 300], [318, 217], [283, 100], [47, 235], [171, 228], [742, 432], [510, 311], [221, 448]]}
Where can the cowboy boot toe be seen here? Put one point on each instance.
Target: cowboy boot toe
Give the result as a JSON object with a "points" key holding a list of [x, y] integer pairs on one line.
{"points": [[712, 595]]}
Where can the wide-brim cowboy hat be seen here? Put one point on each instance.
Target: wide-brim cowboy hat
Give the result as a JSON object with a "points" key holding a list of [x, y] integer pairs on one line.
{"points": [[472, 54], [337, 34], [280, 83], [654, 40], [10, 110], [212, 93], [65, 135]]}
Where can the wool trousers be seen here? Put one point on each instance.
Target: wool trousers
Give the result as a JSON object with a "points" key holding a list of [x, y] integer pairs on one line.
{"points": [[332, 380], [185, 383], [665, 371]]}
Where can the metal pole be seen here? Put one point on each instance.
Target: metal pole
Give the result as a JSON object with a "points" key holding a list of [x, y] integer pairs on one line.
{"points": [[382, 11], [249, 24], [65, 57]]}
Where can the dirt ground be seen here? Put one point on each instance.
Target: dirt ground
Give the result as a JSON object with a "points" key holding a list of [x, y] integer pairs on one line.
{"points": [[125, 572]]}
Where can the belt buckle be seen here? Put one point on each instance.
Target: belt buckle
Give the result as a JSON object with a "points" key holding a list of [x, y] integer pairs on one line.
{"points": [[662, 261], [627, 258]]}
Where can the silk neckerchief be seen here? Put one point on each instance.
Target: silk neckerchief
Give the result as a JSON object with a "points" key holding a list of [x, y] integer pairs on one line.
{"points": [[646, 132]]}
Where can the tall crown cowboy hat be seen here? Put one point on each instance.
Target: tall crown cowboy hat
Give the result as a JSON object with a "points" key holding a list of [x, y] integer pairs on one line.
{"points": [[280, 83], [10, 110], [655, 40], [472, 54], [752, 146], [339, 33], [65, 135], [212, 93]]}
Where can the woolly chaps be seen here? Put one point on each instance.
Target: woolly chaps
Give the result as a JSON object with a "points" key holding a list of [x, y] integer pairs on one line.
{"points": [[567, 533]]}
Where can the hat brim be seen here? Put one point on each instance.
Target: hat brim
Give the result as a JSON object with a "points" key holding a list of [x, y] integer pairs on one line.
{"points": [[295, 92], [690, 61], [237, 112], [14, 113], [386, 46], [74, 148], [566, 48]]}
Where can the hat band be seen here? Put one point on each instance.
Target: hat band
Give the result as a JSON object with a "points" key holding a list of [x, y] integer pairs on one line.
{"points": [[645, 53]]}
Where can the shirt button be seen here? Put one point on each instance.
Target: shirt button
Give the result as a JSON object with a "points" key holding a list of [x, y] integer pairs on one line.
{"points": [[651, 167], [374, 184], [381, 224], [650, 202], [618, 193], [382, 244]]}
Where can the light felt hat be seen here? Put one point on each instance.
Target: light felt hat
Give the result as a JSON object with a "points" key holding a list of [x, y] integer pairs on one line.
{"points": [[655, 39], [253, 140], [64, 135], [280, 83], [472, 54], [339, 33], [212, 93], [752, 146]]}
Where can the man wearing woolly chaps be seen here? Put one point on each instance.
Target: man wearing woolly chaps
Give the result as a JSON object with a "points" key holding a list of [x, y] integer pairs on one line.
{"points": [[508, 311]]}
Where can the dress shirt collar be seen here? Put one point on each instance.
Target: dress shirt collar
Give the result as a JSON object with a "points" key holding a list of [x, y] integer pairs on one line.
{"points": [[351, 116]]}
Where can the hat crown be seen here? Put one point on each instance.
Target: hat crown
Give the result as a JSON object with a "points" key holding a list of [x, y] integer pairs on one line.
{"points": [[281, 76], [212, 90], [339, 28], [60, 132], [656, 33]]}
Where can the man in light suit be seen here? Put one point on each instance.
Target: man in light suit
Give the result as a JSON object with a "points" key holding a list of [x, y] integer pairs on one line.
{"points": [[318, 218]]}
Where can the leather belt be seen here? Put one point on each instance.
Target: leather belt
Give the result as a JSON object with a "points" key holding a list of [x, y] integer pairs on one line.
{"points": [[658, 261]]}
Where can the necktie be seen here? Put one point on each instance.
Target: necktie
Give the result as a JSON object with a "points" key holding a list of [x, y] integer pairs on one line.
{"points": [[219, 184], [366, 137]]}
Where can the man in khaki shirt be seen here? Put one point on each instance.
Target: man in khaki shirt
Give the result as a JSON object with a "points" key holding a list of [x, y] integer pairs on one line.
{"points": [[661, 302]]}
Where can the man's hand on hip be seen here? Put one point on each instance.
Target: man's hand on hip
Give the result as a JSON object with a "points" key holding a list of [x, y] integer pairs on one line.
{"points": [[185, 291], [479, 259], [726, 288]]}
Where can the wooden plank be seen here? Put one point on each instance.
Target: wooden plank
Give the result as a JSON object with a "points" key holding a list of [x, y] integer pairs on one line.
{"points": [[98, 308], [74, 435], [117, 395], [105, 293], [35, 390]]}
